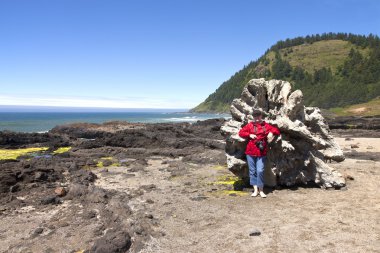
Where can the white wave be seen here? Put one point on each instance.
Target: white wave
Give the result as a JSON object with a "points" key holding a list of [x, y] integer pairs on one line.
{"points": [[183, 119]]}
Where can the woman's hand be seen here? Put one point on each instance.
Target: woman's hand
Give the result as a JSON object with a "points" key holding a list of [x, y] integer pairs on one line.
{"points": [[270, 137], [252, 136]]}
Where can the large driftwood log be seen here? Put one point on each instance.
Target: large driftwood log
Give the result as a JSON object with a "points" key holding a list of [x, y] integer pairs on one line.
{"points": [[300, 154]]}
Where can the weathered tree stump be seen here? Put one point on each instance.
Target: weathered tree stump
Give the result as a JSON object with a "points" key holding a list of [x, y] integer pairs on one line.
{"points": [[300, 154]]}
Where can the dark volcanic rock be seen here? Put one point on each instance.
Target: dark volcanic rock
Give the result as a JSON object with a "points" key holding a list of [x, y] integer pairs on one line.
{"points": [[51, 200], [24, 173], [83, 177], [78, 130], [354, 122], [76, 190], [96, 195], [150, 136], [349, 133], [112, 241], [14, 139], [7, 179], [107, 163], [37, 232], [90, 214], [254, 232]]}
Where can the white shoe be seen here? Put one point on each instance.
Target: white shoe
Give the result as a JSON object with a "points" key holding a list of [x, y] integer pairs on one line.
{"points": [[262, 194], [254, 194]]}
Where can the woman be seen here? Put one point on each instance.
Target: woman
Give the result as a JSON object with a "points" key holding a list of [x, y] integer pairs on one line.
{"points": [[259, 133]]}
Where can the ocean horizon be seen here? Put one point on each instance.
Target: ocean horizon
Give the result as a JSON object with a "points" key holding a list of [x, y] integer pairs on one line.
{"points": [[43, 121], [34, 108]]}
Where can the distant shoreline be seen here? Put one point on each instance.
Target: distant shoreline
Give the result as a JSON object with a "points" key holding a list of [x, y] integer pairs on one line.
{"points": [[39, 122]]}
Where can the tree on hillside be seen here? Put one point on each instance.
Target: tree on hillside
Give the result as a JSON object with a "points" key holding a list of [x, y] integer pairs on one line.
{"points": [[281, 69]]}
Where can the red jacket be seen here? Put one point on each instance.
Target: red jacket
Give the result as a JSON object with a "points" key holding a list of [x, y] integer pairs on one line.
{"points": [[248, 129]]}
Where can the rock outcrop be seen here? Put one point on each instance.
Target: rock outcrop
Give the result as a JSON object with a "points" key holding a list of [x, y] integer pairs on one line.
{"points": [[300, 154]]}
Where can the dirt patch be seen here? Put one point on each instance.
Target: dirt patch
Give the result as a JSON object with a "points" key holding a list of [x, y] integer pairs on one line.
{"points": [[359, 110]]}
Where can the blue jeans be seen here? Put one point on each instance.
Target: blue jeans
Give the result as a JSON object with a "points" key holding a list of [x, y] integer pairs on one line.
{"points": [[256, 170]]}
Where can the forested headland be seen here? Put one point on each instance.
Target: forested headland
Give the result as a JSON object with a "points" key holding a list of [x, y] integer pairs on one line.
{"points": [[331, 69]]}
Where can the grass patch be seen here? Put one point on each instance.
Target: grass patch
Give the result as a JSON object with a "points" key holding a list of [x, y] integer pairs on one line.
{"points": [[370, 108], [13, 154], [329, 53]]}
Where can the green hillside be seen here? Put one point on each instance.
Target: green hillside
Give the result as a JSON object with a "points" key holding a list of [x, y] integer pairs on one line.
{"points": [[332, 70], [370, 108]]}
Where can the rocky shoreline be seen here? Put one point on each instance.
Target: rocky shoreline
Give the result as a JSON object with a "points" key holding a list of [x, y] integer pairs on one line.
{"points": [[43, 180], [354, 126], [63, 192], [354, 122]]}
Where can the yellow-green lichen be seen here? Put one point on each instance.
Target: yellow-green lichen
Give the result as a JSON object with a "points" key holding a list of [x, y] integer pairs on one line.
{"points": [[12, 154], [219, 167], [62, 150], [226, 180], [229, 180], [227, 177], [100, 163]]}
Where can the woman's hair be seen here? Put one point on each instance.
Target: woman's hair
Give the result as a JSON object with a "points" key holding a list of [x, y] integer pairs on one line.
{"points": [[257, 112]]}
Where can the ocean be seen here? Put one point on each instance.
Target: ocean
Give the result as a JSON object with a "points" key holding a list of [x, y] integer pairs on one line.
{"points": [[44, 121]]}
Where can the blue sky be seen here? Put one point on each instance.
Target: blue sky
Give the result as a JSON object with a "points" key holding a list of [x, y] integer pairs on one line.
{"points": [[150, 53]]}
